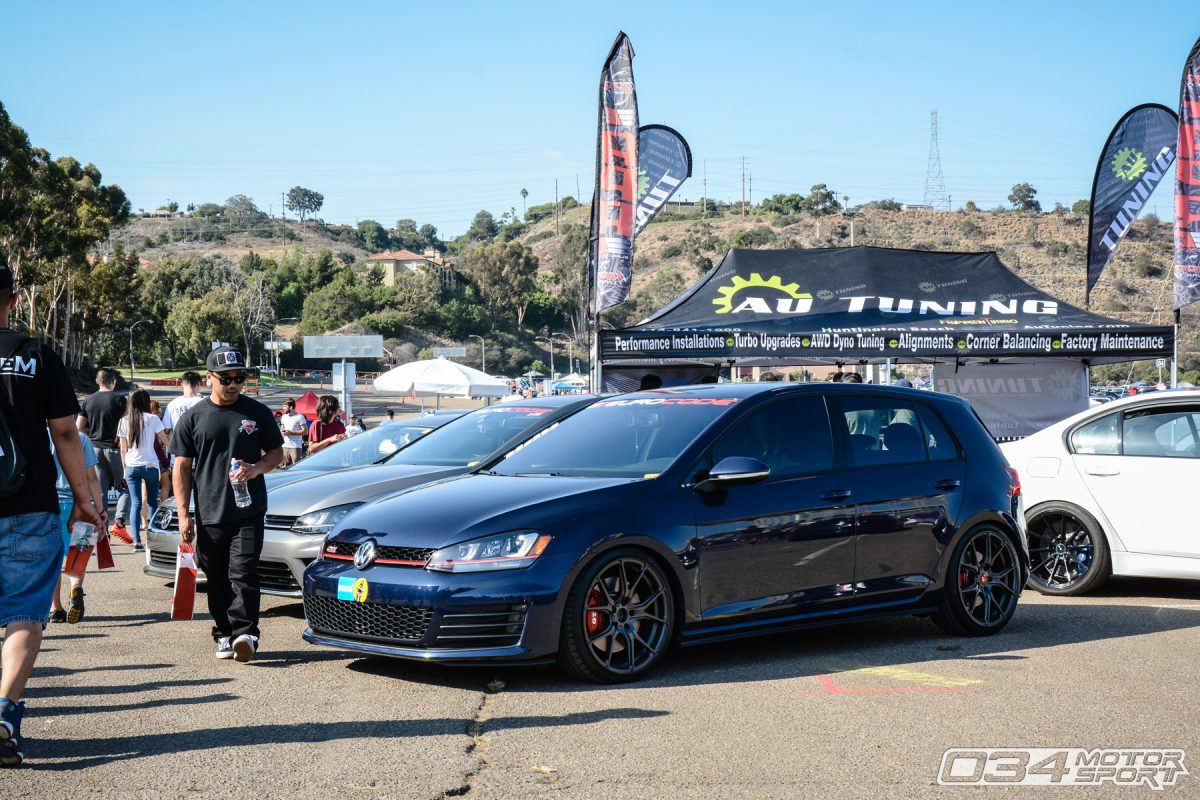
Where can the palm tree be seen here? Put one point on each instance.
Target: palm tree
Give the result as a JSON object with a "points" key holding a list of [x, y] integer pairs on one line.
{"points": [[524, 194]]}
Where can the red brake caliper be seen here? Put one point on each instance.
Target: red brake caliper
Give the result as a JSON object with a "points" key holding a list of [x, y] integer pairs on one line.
{"points": [[964, 579], [594, 620]]}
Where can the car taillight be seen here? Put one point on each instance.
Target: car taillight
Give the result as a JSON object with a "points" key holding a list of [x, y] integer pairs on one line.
{"points": [[1014, 483]]}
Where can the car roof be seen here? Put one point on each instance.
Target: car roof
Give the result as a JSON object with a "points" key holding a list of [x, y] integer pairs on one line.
{"points": [[747, 390]]}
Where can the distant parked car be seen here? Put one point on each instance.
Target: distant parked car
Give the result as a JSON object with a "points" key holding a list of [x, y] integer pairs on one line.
{"points": [[685, 515], [1109, 492]]}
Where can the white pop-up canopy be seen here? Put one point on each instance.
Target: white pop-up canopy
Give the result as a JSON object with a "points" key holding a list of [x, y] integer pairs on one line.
{"points": [[438, 377]]}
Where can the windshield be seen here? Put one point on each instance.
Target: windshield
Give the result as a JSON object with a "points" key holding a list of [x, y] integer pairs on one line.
{"points": [[637, 436], [365, 448], [466, 440]]}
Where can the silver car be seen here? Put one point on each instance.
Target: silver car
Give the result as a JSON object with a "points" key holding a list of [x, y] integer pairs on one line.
{"points": [[301, 511], [277, 566]]}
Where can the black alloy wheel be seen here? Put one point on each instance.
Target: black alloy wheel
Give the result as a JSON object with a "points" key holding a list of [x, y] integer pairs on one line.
{"points": [[619, 619], [982, 584], [1067, 550]]}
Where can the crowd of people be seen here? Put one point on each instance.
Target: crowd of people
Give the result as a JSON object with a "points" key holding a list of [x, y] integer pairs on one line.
{"points": [[59, 462]]}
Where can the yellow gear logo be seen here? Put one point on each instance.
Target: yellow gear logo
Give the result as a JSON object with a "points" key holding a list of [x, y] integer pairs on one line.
{"points": [[725, 295]]}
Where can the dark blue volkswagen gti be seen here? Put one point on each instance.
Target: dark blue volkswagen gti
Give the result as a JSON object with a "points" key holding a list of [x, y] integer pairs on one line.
{"points": [[685, 516]]}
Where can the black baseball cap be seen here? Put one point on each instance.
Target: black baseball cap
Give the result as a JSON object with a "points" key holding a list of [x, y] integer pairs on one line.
{"points": [[6, 276], [225, 359]]}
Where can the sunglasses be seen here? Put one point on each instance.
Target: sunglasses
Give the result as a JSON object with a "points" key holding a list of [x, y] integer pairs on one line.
{"points": [[226, 380]]}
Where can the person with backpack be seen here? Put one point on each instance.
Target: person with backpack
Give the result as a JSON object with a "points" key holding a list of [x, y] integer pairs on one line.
{"points": [[35, 394]]}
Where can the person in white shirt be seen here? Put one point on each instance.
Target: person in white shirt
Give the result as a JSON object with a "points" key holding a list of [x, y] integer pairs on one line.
{"points": [[190, 382], [136, 432], [293, 426]]}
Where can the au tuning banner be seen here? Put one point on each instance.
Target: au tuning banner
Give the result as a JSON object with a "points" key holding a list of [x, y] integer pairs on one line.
{"points": [[611, 256], [1187, 185], [664, 163], [1138, 154]]}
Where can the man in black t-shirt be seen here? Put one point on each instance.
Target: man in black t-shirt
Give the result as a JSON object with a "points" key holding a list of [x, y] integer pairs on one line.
{"points": [[223, 428], [99, 417], [35, 394]]}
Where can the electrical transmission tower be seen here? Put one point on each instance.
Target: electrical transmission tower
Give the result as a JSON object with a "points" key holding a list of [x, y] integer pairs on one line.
{"points": [[935, 184]]}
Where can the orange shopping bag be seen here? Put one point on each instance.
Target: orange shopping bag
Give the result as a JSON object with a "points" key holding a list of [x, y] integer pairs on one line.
{"points": [[184, 598], [83, 540]]}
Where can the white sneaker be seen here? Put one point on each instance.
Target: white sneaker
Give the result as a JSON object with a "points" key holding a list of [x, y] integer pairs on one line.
{"points": [[244, 647], [224, 648]]}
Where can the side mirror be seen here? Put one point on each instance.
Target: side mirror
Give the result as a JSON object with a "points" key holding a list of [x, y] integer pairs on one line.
{"points": [[733, 471]]}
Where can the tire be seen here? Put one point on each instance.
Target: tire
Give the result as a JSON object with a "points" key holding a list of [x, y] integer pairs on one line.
{"points": [[619, 618], [1068, 552], [982, 584]]}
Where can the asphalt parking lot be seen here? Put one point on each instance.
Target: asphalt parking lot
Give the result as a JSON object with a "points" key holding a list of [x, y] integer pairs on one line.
{"points": [[131, 704]]}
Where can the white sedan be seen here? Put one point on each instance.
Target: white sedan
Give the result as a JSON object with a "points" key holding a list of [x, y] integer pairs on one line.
{"points": [[1109, 491]]}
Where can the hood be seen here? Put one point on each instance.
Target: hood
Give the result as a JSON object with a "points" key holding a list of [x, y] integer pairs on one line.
{"points": [[356, 485], [452, 511], [279, 478]]}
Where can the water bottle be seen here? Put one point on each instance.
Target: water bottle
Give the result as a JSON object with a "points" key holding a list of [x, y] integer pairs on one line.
{"points": [[241, 492]]}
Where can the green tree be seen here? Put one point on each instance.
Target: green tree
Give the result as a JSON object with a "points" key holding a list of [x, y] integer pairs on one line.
{"points": [[303, 201], [241, 212], [1081, 207], [1023, 197], [569, 278], [373, 235], [483, 228], [890, 204], [505, 276], [970, 207], [524, 194], [783, 204], [821, 201], [198, 322], [407, 236]]}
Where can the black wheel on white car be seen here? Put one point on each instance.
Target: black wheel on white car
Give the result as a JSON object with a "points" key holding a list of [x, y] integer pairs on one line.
{"points": [[1067, 550]]}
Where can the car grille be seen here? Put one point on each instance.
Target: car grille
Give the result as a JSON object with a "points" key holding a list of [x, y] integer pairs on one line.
{"points": [[276, 575], [485, 626], [165, 519], [162, 559], [367, 620], [384, 552]]}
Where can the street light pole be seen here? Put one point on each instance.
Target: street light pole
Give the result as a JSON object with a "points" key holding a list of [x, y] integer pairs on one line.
{"points": [[571, 350], [482, 350], [131, 367]]}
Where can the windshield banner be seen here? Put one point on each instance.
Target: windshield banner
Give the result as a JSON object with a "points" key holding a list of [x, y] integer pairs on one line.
{"points": [[664, 163], [1187, 185], [611, 255], [1139, 153]]}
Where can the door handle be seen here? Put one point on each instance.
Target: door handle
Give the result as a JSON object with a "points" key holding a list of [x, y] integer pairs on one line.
{"points": [[1103, 472], [836, 494], [947, 484]]}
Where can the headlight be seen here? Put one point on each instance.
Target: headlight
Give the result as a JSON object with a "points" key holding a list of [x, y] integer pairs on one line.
{"points": [[512, 550], [323, 520]]}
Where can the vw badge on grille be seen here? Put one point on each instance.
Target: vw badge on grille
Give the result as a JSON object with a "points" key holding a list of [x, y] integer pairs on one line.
{"points": [[364, 556]]}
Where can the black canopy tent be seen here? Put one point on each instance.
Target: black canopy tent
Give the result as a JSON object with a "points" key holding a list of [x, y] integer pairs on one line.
{"points": [[863, 305]]}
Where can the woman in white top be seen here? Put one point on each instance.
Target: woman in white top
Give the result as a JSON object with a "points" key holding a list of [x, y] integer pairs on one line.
{"points": [[137, 432]]}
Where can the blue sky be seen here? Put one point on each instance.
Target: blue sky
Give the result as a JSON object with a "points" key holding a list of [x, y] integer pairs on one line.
{"points": [[433, 112]]}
